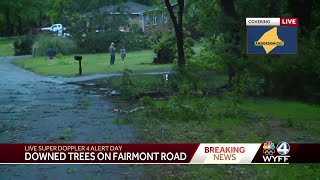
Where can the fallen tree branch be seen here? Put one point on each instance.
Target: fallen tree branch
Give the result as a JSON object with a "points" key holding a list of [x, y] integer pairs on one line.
{"points": [[131, 111]]}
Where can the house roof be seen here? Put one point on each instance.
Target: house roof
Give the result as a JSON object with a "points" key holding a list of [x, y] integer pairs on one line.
{"points": [[128, 7]]}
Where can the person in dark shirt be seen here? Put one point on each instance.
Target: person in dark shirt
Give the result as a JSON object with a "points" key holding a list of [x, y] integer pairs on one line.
{"points": [[123, 53], [112, 50], [51, 53]]}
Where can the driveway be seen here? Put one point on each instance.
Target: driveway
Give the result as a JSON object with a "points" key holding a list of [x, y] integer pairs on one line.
{"points": [[37, 109]]}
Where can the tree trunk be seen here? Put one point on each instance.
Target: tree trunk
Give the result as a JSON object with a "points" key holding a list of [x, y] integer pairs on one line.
{"points": [[229, 10], [180, 44], [19, 26], [178, 27], [304, 14], [9, 29], [40, 17], [231, 74]]}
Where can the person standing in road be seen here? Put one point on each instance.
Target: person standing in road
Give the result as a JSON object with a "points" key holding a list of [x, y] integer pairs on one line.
{"points": [[112, 50]]}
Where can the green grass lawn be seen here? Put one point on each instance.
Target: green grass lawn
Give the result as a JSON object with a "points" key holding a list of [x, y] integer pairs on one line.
{"points": [[285, 110], [298, 116], [6, 46], [262, 122], [140, 61]]}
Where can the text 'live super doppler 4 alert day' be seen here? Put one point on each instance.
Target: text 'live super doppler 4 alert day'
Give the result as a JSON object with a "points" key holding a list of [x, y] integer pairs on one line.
{"points": [[272, 35]]}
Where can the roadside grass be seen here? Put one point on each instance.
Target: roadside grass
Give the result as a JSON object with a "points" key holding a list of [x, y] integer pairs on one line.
{"points": [[285, 110], [155, 82], [257, 126], [66, 66], [262, 120], [298, 116], [6, 46]]}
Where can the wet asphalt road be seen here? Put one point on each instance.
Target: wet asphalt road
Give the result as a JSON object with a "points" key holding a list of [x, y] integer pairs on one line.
{"points": [[41, 109]]}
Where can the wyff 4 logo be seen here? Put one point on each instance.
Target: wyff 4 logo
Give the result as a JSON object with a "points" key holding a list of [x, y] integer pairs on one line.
{"points": [[283, 148]]}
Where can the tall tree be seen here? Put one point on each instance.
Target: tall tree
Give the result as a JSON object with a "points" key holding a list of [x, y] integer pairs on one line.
{"points": [[221, 25], [178, 27], [228, 7], [20, 15]]}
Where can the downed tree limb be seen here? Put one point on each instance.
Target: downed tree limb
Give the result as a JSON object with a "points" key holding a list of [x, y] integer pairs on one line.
{"points": [[129, 112]]}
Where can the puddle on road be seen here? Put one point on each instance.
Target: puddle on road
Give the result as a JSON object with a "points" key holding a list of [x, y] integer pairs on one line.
{"points": [[92, 88]]}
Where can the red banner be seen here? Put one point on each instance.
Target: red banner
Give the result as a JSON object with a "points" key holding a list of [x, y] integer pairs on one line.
{"points": [[289, 21], [204, 153], [97, 153]]}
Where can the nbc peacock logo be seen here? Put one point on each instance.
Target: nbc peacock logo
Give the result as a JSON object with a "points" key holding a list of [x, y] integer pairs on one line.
{"points": [[268, 148]]}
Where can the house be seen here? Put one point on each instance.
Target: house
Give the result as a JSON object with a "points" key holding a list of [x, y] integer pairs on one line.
{"points": [[147, 18], [158, 20]]}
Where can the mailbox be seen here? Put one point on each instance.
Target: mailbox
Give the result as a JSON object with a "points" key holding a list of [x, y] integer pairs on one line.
{"points": [[79, 58]]}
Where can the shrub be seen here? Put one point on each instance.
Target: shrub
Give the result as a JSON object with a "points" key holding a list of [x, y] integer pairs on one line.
{"points": [[63, 45], [99, 42], [166, 49], [296, 77], [243, 84], [189, 77], [23, 45], [135, 41]]}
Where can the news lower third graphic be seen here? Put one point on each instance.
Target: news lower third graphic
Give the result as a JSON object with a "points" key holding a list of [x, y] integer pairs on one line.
{"points": [[204, 153], [272, 35]]}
